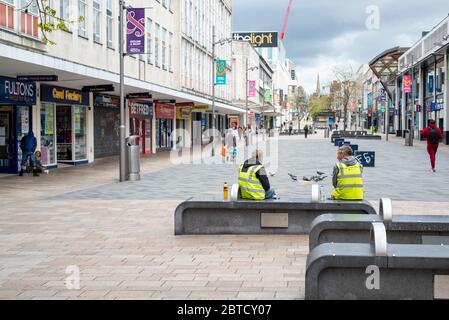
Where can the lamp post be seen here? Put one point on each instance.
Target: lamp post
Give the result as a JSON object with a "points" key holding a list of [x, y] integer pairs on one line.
{"points": [[214, 43], [412, 111], [122, 96], [246, 92]]}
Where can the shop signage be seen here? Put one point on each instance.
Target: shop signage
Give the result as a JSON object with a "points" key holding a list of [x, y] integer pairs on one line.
{"points": [[38, 78], [267, 95], [140, 95], [183, 113], [64, 95], [251, 88], [220, 72], [163, 101], [17, 92], [430, 84], [107, 101], [407, 83], [140, 109], [98, 88], [185, 104], [200, 107], [165, 111], [135, 30], [258, 39]]}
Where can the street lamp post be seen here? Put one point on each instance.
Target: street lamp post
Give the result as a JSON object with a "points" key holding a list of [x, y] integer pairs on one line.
{"points": [[214, 43], [246, 92], [412, 105], [122, 96]]}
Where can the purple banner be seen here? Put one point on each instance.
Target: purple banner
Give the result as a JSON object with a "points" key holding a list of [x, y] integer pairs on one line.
{"points": [[135, 31]]}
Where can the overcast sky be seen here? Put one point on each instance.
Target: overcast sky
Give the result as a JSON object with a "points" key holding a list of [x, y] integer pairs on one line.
{"points": [[322, 34]]}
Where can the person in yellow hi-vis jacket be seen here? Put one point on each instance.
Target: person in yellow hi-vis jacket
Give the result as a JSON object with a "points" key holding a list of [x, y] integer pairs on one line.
{"points": [[253, 179], [347, 176]]}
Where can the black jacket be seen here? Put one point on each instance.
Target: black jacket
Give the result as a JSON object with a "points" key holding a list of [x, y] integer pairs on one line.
{"points": [[261, 174]]}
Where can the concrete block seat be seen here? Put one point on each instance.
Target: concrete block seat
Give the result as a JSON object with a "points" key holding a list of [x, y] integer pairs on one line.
{"points": [[282, 216], [401, 229], [377, 271]]}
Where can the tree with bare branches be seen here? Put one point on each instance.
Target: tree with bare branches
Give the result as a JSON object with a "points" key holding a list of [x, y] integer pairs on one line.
{"points": [[349, 85]]}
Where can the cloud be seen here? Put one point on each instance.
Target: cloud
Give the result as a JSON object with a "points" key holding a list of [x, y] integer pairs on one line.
{"points": [[325, 33]]}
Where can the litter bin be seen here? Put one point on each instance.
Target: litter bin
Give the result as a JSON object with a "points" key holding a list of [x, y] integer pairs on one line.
{"points": [[133, 157], [407, 139]]}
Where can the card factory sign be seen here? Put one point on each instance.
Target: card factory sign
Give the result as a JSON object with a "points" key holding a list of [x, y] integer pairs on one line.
{"points": [[258, 39], [64, 95]]}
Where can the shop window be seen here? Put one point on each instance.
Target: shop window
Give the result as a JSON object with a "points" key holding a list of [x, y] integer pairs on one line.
{"points": [[79, 114], [7, 14], [48, 134], [29, 19]]}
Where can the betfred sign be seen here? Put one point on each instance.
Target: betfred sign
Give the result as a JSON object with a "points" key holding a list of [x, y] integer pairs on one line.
{"points": [[258, 39], [140, 109]]}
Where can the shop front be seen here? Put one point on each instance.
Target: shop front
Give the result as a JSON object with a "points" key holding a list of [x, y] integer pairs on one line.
{"points": [[106, 125], [16, 101], [66, 110], [165, 114], [183, 118], [141, 124]]}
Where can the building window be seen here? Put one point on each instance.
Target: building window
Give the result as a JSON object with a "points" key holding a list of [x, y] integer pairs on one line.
{"points": [[170, 52], [64, 9], [109, 23], [149, 41], [164, 3], [97, 21], [29, 20], [156, 45], [164, 49], [7, 14], [82, 26]]}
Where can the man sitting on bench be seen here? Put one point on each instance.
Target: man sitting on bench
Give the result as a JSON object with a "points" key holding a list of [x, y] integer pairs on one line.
{"points": [[253, 179], [347, 176]]}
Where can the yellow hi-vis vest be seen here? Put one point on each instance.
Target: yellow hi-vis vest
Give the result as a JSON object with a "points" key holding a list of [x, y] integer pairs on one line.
{"points": [[250, 186], [349, 182]]}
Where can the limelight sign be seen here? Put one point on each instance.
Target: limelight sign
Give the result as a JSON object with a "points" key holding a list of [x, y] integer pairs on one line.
{"points": [[258, 39]]}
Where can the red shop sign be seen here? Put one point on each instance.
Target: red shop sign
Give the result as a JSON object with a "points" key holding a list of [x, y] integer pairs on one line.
{"points": [[165, 111]]}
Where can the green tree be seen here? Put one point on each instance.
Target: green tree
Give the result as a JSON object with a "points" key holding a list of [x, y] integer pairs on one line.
{"points": [[50, 21], [318, 104]]}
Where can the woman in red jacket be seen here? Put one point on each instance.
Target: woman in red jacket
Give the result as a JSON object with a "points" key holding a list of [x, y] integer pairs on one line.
{"points": [[433, 135]]}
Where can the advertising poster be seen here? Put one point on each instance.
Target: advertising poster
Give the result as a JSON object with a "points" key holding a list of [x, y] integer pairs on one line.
{"points": [[135, 31], [49, 120], [251, 88], [220, 74], [407, 83]]}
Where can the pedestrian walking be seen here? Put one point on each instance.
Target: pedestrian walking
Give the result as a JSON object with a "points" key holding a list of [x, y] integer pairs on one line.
{"points": [[433, 135], [290, 129], [28, 146], [306, 131]]}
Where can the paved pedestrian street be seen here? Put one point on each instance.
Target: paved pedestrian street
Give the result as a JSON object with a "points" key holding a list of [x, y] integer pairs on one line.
{"points": [[120, 237]]}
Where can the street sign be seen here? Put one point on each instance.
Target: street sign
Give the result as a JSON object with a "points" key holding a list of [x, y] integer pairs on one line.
{"points": [[200, 107], [38, 78], [185, 104], [407, 83], [141, 95], [98, 88], [267, 95], [220, 74], [366, 158], [251, 88]]}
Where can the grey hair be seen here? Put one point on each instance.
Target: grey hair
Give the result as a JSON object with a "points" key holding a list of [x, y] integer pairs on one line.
{"points": [[346, 150], [258, 155]]}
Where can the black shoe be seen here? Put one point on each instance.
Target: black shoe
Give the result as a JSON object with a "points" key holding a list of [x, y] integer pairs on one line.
{"points": [[35, 174], [21, 173]]}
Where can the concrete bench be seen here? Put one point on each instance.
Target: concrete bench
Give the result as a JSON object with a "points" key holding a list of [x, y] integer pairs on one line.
{"points": [[377, 271], [401, 229], [284, 216]]}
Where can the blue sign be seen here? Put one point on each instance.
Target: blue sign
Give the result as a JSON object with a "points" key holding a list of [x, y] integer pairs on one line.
{"points": [[366, 158], [21, 93], [220, 72], [64, 95], [430, 84]]}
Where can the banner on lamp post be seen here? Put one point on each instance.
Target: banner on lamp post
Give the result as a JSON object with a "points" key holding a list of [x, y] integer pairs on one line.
{"points": [[267, 95], [220, 74], [251, 88], [135, 30], [407, 83]]}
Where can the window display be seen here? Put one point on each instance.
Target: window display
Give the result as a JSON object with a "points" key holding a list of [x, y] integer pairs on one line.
{"points": [[48, 135]]}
